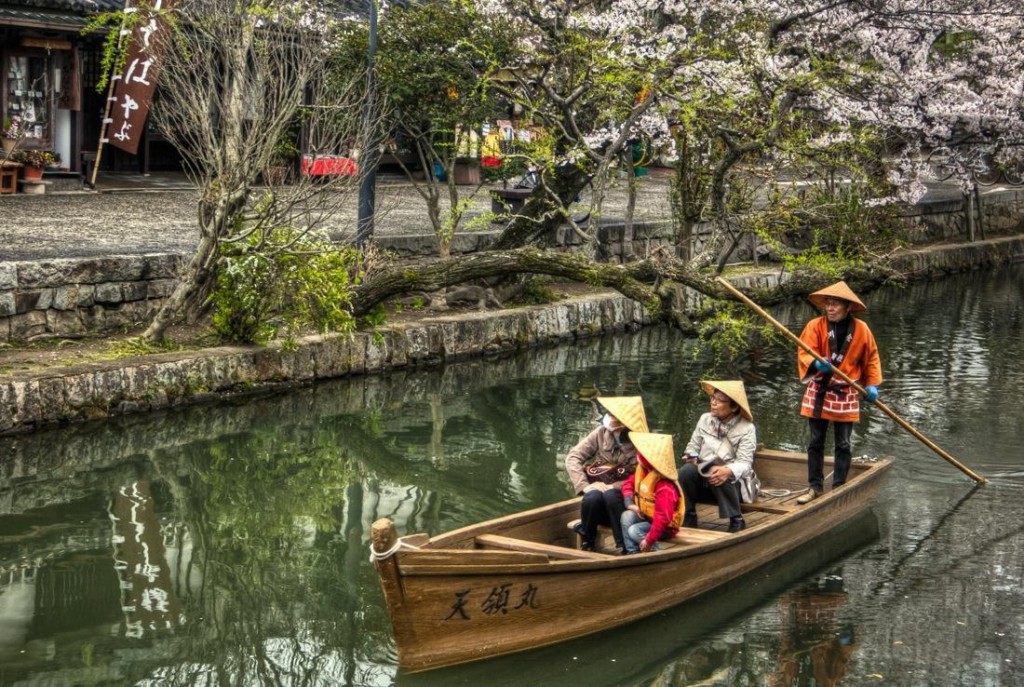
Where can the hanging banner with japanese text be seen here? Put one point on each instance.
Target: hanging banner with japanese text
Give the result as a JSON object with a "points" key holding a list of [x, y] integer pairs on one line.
{"points": [[134, 86]]}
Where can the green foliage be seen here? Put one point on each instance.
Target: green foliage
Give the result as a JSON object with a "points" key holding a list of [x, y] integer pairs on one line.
{"points": [[111, 25], [829, 230], [953, 45], [282, 281], [285, 150], [536, 292], [728, 334], [435, 62], [375, 318]]}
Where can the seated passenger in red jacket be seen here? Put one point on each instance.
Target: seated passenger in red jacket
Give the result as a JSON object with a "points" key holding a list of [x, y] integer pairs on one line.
{"points": [[653, 497]]}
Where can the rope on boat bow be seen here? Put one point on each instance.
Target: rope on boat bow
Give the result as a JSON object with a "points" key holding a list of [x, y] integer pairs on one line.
{"points": [[380, 556]]}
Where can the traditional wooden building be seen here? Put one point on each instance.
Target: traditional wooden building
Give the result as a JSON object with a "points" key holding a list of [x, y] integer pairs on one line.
{"points": [[50, 73]]}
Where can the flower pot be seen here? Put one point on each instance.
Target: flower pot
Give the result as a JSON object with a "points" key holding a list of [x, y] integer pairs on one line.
{"points": [[9, 144], [32, 173]]}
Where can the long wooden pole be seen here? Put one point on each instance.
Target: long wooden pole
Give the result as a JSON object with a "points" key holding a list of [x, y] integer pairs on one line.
{"points": [[835, 370]]}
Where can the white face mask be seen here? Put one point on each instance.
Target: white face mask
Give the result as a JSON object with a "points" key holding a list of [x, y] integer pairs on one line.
{"points": [[610, 423]]}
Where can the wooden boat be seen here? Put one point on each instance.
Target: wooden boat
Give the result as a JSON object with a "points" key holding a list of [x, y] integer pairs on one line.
{"points": [[520, 582]]}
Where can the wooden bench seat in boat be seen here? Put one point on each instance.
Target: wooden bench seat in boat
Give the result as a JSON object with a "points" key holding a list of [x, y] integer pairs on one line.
{"points": [[686, 537], [511, 544]]}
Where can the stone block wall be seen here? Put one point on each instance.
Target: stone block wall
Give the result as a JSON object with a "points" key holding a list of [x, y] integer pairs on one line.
{"points": [[75, 295], [29, 400], [1001, 211]]}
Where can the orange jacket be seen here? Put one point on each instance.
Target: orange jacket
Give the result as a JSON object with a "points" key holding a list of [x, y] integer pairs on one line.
{"points": [[861, 363]]}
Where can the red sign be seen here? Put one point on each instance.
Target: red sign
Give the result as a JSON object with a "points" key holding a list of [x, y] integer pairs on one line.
{"points": [[134, 87], [328, 165]]}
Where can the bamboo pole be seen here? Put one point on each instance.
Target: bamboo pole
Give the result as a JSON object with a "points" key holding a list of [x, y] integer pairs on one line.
{"points": [[835, 370]]}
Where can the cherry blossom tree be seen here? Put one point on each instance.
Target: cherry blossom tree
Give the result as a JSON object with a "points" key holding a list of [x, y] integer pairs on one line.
{"points": [[754, 89]]}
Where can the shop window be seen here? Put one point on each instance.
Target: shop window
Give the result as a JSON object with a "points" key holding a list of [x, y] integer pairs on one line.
{"points": [[28, 96]]}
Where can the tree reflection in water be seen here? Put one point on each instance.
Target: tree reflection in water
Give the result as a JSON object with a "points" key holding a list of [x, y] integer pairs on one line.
{"points": [[275, 535]]}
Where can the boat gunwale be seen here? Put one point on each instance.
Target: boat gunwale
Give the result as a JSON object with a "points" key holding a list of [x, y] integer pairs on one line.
{"points": [[869, 473]]}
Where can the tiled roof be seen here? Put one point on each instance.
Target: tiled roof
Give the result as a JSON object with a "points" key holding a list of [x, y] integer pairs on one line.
{"points": [[53, 13], [65, 6]]}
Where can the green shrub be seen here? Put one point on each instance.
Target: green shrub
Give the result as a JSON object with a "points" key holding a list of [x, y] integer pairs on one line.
{"points": [[536, 292], [282, 282]]}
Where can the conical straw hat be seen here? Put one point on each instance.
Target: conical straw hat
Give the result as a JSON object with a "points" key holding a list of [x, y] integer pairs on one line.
{"points": [[838, 290], [629, 410], [735, 391], [657, 449]]}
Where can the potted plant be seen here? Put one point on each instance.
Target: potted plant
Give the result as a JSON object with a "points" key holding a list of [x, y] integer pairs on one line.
{"points": [[34, 161], [12, 132]]}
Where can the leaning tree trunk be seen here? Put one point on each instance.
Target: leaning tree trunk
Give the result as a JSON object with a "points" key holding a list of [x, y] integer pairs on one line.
{"points": [[537, 218], [492, 263], [199, 272], [216, 222]]}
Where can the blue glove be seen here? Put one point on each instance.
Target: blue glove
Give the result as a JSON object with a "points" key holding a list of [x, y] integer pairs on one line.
{"points": [[823, 366], [872, 393]]}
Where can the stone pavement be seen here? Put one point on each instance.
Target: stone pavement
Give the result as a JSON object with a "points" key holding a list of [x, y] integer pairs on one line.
{"points": [[133, 215], [156, 214]]}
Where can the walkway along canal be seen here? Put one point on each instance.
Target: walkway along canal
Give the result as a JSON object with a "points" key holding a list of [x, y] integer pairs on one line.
{"points": [[228, 544]]}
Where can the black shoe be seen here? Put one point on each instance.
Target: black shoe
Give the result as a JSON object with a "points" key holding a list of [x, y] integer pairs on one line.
{"points": [[586, 545], [737, 524], [578, 529], [689, 521]]}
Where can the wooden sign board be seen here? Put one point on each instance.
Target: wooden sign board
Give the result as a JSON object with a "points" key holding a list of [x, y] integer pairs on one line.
{"points": [[135, 85]]}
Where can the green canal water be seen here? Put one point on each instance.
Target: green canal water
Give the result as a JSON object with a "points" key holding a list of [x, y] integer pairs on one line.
{"points": [[227, 545]]}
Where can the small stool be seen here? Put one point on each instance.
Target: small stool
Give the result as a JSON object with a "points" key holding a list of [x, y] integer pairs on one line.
{"points": [[9, 177]]}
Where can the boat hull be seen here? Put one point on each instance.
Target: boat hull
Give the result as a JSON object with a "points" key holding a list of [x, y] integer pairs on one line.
{"points": [[450, 606]]}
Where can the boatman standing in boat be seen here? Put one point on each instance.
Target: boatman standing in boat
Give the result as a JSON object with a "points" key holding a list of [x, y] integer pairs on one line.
{"points": [[845, 343], [600, 463]]}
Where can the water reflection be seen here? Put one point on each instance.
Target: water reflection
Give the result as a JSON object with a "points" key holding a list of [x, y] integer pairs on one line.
{"points": [[148, 599], [227, 545], [816, 644]]}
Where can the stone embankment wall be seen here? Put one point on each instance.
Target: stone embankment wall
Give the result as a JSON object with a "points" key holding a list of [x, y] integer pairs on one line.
{"points": [[1001, 212], [30, 400], [34, 399], [76, 295]]}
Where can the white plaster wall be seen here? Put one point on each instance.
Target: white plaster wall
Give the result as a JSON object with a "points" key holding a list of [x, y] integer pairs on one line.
{"points": [[62, 139]]}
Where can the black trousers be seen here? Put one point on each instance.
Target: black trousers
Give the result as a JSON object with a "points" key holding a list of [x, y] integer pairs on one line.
{"points": [[816, 452], [602, 508], [696, 489]]}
